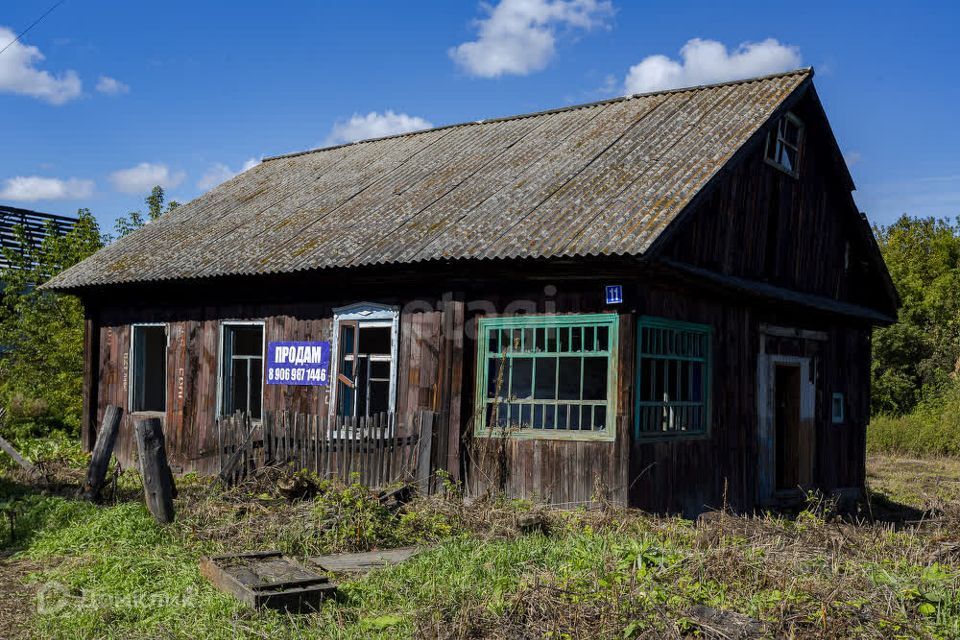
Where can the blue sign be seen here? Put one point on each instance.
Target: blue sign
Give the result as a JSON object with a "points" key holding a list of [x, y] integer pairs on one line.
{"points": [[614, 294], [302, 363]]}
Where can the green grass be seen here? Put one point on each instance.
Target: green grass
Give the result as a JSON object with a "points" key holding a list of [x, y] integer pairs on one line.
{"points": [[112, 572]]}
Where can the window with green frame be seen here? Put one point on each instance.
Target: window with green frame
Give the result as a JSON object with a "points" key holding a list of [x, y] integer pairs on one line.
{"points": [[673, 378], [548, 376]]}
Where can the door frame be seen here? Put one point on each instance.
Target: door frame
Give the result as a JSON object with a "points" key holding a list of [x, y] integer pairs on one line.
{"points": [[766, 416]]}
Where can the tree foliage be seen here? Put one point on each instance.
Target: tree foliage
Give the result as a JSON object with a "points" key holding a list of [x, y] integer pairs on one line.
{"points": [[917, 358], [135, 219], [41, 333]]}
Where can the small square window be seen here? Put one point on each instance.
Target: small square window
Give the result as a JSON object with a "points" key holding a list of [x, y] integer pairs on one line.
{"points": [[837, 409], [783, 144]]}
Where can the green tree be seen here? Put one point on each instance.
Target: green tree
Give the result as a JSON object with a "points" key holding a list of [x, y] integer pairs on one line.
{"points": [[917, 358], [41, 333], [135, 219]]}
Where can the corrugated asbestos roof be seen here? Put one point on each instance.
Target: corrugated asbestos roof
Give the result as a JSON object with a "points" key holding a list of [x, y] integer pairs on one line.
{"points": [[599, 179]]}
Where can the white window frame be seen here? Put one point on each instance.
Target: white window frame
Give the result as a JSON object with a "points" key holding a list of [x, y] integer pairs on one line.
{"points": [[370, 314], [775, 135], [220, 360], [131, 358]]}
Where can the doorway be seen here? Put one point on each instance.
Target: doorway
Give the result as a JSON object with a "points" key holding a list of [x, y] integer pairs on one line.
{"points": [[786, 392], [793, 442]]}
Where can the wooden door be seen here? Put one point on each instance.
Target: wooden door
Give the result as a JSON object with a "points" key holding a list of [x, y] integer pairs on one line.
{"points": [[786, 432], [794, 438]]}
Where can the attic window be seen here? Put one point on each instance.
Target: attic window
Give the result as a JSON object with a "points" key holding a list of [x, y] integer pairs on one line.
{"points": [[783, 144]]}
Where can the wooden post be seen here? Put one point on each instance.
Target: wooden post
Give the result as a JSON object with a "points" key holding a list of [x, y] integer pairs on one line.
{"points": [[158, 487], [100, 460], [425, 448]]}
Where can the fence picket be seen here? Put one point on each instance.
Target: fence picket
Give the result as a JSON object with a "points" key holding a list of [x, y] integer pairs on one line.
{"points": [[379, 450]]}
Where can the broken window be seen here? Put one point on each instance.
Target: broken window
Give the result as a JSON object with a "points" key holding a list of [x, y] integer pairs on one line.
{"points": [[673, 378], [366, 359], [548, 374], [148, 367], [241, 386], [783, 144]]}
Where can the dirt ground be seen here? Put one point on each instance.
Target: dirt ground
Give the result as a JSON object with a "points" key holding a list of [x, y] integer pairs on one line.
{"points": [[17, 598]]}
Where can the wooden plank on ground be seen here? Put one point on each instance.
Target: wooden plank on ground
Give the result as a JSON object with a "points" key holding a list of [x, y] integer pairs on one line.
{"points": [[362, 562]]}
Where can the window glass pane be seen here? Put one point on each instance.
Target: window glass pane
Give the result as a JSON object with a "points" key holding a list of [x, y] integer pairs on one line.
{"points": [[380, 369], [569, 379], [602, 338], [539, 339], [256, 388], [494, 342], [552, 339], [379, 398], [374, 340], [149, 368], [546, 387], [247, 340], [238, 395], [549, 416], [494, 381], [537, 416], [521, 377], [564, 339], [346, 339], [574, 420], [589, 339], [594, 378], [525, 416], [599, 418]]}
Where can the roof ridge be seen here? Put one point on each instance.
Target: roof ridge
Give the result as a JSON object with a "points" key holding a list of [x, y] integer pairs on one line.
{"points": [[532, 114]]}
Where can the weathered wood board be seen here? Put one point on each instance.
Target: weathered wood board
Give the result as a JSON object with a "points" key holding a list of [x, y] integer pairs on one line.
{"points": [[362, 562], [268, 579]]}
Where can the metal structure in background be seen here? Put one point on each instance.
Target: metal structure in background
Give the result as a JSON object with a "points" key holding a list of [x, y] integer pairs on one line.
{"points": [[377, 451], [37, 226]]}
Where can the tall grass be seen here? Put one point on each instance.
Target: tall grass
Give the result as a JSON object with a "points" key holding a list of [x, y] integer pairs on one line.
{"points": [[112, 572], [933, 428]]}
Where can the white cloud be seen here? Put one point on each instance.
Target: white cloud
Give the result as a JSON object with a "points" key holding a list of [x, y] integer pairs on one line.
{"points": [[19, 73], [852, 157], [144, 177], [219, 172], [709, 61], [374, 125], [111, 86], [519, 36], [31, 188]]}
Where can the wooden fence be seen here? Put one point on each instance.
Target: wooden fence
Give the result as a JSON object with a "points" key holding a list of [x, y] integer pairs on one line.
{"points": [[378, 451]]}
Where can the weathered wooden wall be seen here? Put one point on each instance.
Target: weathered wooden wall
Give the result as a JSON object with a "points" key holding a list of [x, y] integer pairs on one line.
{"points": [[764, 224], [192, 368]]}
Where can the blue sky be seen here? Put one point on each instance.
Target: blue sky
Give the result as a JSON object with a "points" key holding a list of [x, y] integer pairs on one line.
{"points": [[186, 93]]}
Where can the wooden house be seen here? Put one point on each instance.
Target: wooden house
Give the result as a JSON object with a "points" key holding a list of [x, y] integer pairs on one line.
{"points": [[667, 298]]}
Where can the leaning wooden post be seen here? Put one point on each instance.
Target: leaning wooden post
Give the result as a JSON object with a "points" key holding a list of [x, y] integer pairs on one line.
{"points": [[425, 447], [100, 460], [158, 487]]}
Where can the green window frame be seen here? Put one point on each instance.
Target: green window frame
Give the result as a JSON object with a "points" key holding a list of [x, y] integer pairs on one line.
{"points": [[674, 379], [514, 351]]}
